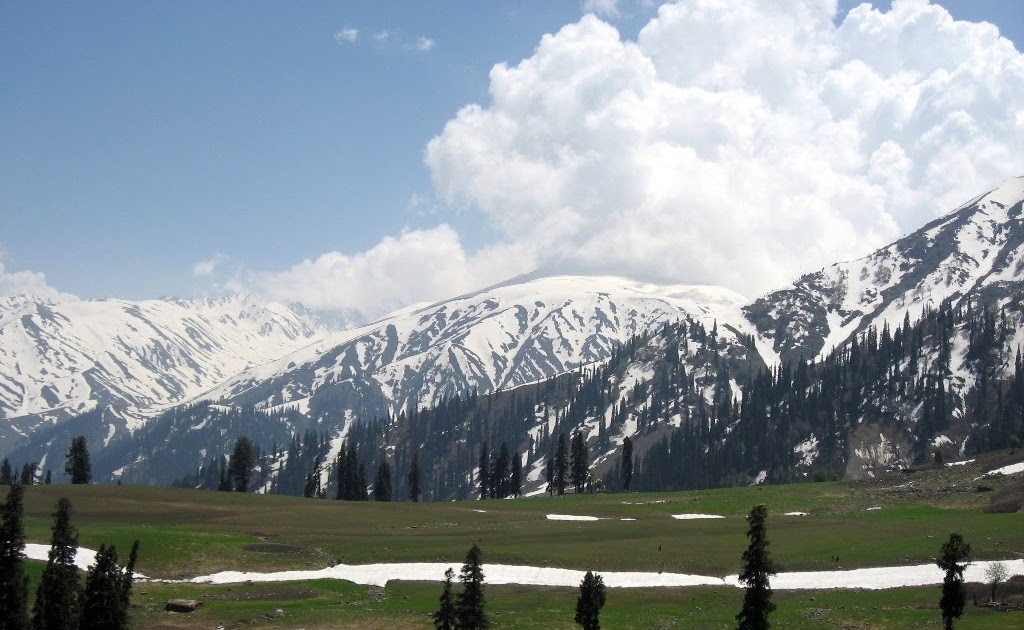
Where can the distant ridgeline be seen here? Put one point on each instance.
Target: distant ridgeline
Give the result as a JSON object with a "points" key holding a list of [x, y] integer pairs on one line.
{"points": [[700, 412]]}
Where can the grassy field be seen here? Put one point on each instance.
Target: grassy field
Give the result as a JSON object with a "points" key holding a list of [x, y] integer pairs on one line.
{"points": [[187, 533]]}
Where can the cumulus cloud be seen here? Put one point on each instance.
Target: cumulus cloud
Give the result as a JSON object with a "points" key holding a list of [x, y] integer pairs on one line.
{"points": [[735, 142], [416, 266], [347, 35], [31, 283]]}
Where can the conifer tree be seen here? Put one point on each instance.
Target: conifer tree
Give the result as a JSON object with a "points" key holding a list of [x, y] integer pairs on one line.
{"points": [[6, 474], [361, 491], [58, 603], [627, 463], [382, 484], [500, 473], [108, 591], [561, 465], [515, 484], [28, 474], [757, 566], [242, 461], [469, 607], [580, 465], [549, 475], [76, 463], [13, 581], [444, 618], [414, 478], [484, 468], [953, 560], [590, 601]]}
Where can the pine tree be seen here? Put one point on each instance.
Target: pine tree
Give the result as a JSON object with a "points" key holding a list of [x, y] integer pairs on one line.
{"points": [[515, 483], [483, 466], [13, 581], [444, 618], [6, 474], [242, 462], [590, 601], [627, 463], [580, 467], [757, 566], [953, 560], [59, 595], [561, 465], [76, 463], [28, 474], [500, 473], [382, 484], [108, 591], [469, 607], [414, 478]]}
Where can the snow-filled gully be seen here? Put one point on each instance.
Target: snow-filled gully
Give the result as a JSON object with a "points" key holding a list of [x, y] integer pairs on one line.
{"points": [[874, 578]]}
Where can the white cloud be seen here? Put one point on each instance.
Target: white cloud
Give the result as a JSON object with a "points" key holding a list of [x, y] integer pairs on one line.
{"points": [[32, 283], [735, 142], [381, 36], [416, 266], [601, 7], [347, 35], [424, 43], [207, 268]]}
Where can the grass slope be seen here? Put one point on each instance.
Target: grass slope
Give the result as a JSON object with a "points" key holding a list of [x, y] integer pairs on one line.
{"points": [[187, 533]]}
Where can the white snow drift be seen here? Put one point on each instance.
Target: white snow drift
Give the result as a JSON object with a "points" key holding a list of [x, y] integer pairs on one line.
{"points": [[380, 574]]}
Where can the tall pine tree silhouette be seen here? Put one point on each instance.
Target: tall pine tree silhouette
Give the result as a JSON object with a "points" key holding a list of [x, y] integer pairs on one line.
{"points": [[13, 581], [470, 614], [757, 566], [59, 596]]}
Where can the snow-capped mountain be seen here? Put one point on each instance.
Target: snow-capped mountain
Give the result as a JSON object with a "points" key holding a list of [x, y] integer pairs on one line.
{"points": [[515, 333], [62, 358], [976, 250]]}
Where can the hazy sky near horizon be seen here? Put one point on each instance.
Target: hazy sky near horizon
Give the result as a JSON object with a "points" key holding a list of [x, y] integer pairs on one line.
{"points": [[372, 154]]}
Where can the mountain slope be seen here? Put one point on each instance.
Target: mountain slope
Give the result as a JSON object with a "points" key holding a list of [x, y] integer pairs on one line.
{"points": [[60, 359], [498, 338], [975, 251]]}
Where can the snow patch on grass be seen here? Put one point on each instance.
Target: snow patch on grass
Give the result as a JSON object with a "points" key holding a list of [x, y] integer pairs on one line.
{"points": [[691, 517], [571, 517]]}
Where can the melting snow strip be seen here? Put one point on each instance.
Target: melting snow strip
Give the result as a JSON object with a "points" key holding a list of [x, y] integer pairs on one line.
{"points": [[874, 578], [795, 514], [1012, 469], [690, 517], [571, 517]]}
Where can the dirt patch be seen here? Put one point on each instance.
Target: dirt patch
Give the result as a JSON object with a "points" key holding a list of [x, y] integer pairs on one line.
{"points": [[273, 548], [1008, 499], [282, 594]]}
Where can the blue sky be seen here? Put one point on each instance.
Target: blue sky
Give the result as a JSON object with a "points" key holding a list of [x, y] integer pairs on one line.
{"points": [[140, 140]]}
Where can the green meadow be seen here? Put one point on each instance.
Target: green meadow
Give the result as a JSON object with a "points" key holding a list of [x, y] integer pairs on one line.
{"points": [[186, 533]]}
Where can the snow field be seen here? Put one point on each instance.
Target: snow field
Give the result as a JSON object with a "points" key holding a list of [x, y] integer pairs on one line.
{"points": [[874, 578]]}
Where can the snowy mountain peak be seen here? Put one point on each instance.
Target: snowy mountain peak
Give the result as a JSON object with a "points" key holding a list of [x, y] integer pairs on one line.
{"points": [[975, 250], [64, 358], [497, 338]]}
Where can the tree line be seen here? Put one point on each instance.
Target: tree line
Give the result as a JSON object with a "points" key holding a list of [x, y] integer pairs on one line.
{"points": [[62, 601]]}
